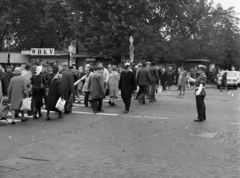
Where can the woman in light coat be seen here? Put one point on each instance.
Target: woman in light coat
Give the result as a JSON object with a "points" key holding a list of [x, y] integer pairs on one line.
{"points": [[85, 89], [17, 91], [182, 80], [113, 83]]}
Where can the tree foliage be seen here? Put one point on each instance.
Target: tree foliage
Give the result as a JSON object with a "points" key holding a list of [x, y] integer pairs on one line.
{"points": [[162, 29]]}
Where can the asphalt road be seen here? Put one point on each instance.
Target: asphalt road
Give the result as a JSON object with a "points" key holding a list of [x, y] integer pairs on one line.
{"points": [[153, 140]]}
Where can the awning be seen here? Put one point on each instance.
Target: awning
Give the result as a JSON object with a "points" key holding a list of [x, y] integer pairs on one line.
{"points": [[197, 60], [18, 58], [3, 57]]}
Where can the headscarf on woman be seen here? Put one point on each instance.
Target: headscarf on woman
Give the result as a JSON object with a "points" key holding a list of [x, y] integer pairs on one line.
{"points": [[38, 70]]}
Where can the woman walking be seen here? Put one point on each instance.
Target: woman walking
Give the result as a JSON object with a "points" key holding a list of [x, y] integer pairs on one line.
{"points": [[38, 83], [55, 93], [182, 80], [17, 91], [113, 83]]}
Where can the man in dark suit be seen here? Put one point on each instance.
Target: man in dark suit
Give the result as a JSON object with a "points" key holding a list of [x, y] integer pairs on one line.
{"points": [[164, 79], [127, 85], [143, 80], [67, 87], [154, 80]]}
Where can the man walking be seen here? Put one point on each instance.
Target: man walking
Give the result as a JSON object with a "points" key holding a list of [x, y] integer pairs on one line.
{"points": [[67, 87], [154, 81], [96, 88], [127, 85], [143, 80]]}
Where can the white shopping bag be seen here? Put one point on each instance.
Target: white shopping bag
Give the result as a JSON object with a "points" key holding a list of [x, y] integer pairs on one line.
{"points": [[60, 104], [159, 90], [26, 104]]}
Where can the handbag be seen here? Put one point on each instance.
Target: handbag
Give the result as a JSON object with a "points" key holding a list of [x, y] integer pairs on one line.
{"points": [[60, 104], [26, 104], [69, 104]]}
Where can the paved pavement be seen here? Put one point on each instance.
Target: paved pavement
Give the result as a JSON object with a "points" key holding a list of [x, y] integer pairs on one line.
{"points": [[152, 141]]}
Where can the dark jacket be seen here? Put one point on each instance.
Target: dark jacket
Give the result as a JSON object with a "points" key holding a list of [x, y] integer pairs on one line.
{"points": [[54, 94], [164, 78], [67, 84], [127, 84], [143, 76], [96, 86], [5, 83], [154, 74]]}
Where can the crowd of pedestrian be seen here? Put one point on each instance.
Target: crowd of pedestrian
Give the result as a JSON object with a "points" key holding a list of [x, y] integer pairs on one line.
{"points": [[46, 84]]}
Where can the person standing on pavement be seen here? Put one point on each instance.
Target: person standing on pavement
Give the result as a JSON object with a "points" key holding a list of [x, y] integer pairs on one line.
{"points": [[170, 78], [96, 88], [127, 85], [224, 82], [164, 79], [154, 81], [143, 80], [67, 86], [182, 80], [200, 92], [88, 71], [17, 91], [113, 83]]}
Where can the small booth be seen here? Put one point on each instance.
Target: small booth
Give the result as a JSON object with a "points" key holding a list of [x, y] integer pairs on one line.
{"points": [[48, 55]]}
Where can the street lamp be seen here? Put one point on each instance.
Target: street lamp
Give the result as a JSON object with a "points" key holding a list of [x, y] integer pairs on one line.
{"points": [[131, 49]]}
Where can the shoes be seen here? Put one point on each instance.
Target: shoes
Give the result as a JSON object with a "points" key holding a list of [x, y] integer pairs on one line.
{"points": [[140, 101], [35, 117], [94, 112], [100, 110], [13, 123], [60, 116], [40, 115], [110, 102], [125, 111], [113, 104], [180, 93], [47, 118], [197, 120], [24, 119]]}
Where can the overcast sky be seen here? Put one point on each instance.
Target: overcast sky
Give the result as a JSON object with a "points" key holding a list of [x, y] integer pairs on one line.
{"points": [[229, 3]]}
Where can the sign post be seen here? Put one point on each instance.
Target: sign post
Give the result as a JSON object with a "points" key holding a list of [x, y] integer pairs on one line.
{"points": [[131, 49]]}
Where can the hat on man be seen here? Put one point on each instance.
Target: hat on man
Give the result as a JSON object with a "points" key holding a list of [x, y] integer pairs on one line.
{"points": [[65, 64], [203, 67], [127, 64], [148, 62], [17, 71], [88, 65]]}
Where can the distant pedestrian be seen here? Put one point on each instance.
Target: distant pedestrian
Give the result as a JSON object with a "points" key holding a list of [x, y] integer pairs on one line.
{"points": [[113, 83], [224, 82], [154, 81], [55, 92], [143, 80], [38, 84], [164, 79], [17, 91], [67, 86], [182, 80], [170, 78], [88, 72], [127, 85], [96, 87]]}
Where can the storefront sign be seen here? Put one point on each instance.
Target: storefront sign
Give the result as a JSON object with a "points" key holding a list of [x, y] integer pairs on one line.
{"points": [[42, 51], [90, 59]]}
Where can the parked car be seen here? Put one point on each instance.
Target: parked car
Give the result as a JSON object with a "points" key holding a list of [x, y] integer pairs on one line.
{"points": [[238, 74], [232, 79]]}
